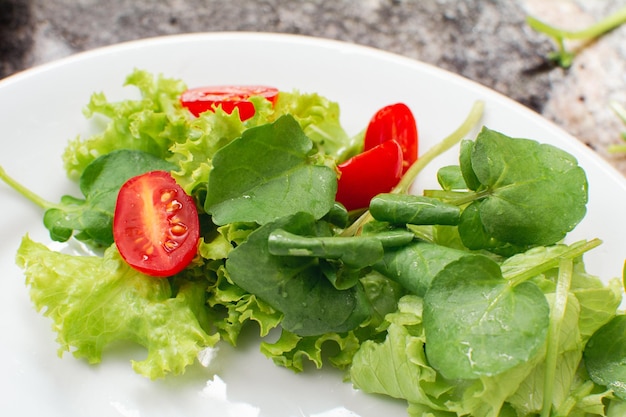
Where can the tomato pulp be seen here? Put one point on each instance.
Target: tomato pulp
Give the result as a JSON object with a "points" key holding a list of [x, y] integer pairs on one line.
{"points": [[229, 97], [155, 224]]}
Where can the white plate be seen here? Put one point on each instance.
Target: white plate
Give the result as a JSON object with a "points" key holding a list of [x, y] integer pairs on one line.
{"points": [[41, 111]]}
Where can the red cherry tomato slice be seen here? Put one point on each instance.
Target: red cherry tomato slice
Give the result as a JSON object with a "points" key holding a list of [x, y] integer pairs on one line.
{"points": [[396, 122], [201, 99], [155, 224], [368, 174]]}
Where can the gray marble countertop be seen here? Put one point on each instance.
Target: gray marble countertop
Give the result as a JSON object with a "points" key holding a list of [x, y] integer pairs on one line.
{"points": [[487, 41]]}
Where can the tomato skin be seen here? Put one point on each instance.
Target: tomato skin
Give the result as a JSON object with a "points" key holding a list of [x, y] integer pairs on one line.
{"points": [[394, 122], [155, 225], [368, 174], [201, 99]]}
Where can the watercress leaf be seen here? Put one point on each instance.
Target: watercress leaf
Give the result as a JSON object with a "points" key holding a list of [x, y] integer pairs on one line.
{"points": [[397, 366], [413, 209], [477, 324], [90, 219], [295, 286], [474, 236], [339, 274], [605, 356], [534, 194], [465, 160], [383, 295], [338, 215], [414, 266], [354, 252], [266, 174], [451, 178], [471, 229]]}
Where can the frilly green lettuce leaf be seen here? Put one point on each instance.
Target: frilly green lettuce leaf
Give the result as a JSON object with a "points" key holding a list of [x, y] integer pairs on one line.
{"points": [[319, 118], [94, 301], [239, 307], [150, 123], [291, 351], [205, 136]]}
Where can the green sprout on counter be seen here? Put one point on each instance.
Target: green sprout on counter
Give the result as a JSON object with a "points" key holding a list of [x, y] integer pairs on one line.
{"points": [[621, 113], [564, 57]]}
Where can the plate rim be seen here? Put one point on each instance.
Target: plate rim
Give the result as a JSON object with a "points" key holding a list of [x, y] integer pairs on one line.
{"points": [[333, 43]]}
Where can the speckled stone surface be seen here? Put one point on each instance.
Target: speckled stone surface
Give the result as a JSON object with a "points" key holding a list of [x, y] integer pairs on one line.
{"points": [[485, 40]]}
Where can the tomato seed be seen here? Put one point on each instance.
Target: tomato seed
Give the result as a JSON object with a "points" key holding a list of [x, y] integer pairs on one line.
{"points": [[173, 206], [170, 245], [178, 229], [167, 195]]}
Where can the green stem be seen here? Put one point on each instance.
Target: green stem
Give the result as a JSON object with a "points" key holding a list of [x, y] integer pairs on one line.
{"points": [[575, 250], [617, 148], [557, 314], [44, 204], [563, 57], [597, 29], [620, 111], [455, 137], [407, 180]]}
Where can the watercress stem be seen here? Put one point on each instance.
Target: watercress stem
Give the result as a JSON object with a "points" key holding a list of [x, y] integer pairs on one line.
{"points": [[563, 57], [557, 314], [597, 29], [575, 250], [455, 137], [409, 176], [620, 111], [44, 204]]}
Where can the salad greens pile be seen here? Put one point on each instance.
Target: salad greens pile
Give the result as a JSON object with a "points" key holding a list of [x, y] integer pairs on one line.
{"points": [[463, 301]]}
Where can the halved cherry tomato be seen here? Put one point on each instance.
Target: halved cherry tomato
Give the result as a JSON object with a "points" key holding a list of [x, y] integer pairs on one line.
{"points": [[396, 122], [155, 224], [201, 99], [368, 174]]}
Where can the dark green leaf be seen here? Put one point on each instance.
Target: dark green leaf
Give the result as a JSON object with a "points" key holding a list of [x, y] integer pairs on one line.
{"points": [[451, 178], [353, 251], [530, 193], [474, 236], [91, 219], [413, 209], [605, 356], [267, 174], [465, 158], [414, 266], [296, 286], [477, 324]]}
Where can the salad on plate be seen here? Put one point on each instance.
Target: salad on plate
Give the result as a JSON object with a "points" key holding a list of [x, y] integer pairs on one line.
{"points": [[207, 211]]}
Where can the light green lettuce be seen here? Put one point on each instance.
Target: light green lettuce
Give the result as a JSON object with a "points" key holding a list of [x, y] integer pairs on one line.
{"points": [[94, 301], [156, 123], [151, 123]]}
